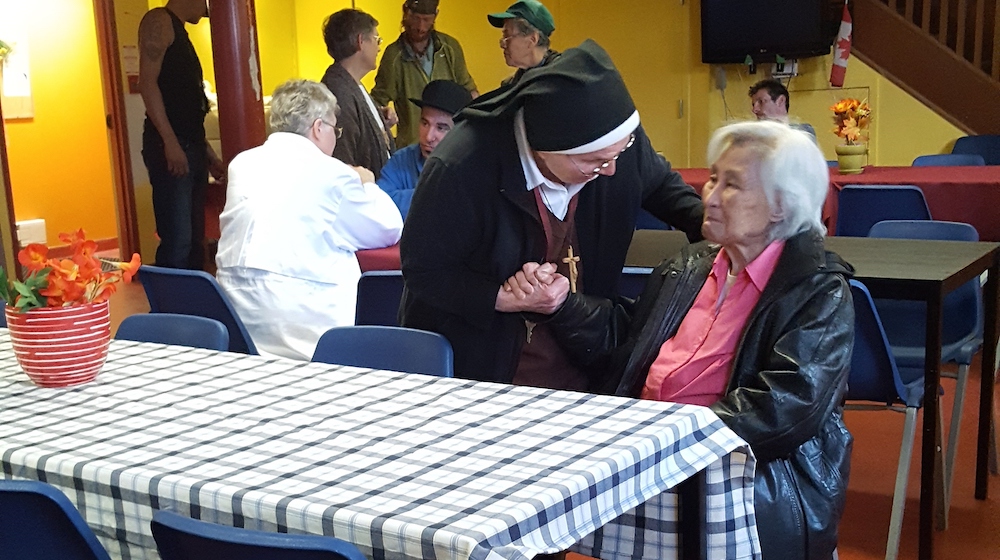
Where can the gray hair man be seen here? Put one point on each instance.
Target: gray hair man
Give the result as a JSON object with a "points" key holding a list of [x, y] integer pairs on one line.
{"points": [[294, 218], [527, 28]]}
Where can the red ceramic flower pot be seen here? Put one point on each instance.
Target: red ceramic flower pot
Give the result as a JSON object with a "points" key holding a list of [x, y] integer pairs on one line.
{"points": [[61, 346]]}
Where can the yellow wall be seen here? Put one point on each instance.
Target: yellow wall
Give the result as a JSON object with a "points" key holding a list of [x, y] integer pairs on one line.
{"points": [[60, 166]]}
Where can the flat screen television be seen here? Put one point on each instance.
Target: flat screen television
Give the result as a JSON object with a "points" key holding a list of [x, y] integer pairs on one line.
{"points": [[731, 30]]}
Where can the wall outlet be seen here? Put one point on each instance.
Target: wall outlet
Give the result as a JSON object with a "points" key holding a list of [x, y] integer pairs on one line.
{"points": [[31, 231], [786, 69]]}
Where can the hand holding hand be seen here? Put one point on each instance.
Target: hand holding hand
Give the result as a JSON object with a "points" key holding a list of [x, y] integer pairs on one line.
{"points": [[536, 288]]}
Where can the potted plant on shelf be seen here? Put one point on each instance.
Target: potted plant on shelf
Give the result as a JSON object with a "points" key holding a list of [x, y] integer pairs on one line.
{"points": [[60, 327], [851, 118]]}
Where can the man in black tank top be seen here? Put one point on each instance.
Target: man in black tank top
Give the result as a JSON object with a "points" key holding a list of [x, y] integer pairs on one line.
{"points": [[173, 141]]}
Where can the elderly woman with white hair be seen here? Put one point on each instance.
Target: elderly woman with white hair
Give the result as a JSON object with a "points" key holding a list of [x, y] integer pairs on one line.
{"points": [[756, 323], [294, 218]]}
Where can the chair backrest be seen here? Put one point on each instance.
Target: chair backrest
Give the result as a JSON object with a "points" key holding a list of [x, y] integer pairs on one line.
{"points": [[963, 307], [874, 376], [633, 280], [38, 521], [181, 538], [949, 160], [171, 328], [645, 220], [986, 145], [193, 292], [379, 292], [861, 207], [392, 348]]}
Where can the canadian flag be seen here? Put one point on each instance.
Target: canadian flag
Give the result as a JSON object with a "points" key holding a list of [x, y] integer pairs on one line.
{"points": [[841, 50]]}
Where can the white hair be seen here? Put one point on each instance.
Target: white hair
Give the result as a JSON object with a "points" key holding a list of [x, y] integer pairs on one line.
{"points": [[296, 104], [793, 171]]}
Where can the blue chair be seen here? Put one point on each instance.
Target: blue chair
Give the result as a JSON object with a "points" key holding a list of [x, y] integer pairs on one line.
{"points": [[645, 220], [379, 293], [40, 523], [861, 207], [962, 330], [876, 381], [193, 292], [986, 145], [633, 280], [391, 348], [943, 160], [181, 538], [171, 328]]}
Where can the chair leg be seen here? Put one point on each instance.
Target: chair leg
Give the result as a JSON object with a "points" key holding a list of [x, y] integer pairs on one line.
{"points": [[940, 496], [953, 433], [902, 475], [993, 446]]}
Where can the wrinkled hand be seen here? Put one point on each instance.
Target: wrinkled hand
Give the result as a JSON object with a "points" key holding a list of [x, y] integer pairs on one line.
{"points": [[366, 175], [536, 288], [389, 114], [177, 161]]}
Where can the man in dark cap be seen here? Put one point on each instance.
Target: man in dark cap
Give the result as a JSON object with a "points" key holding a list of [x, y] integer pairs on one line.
{"points": [[527, 26], [420, 55], [439, 103], [552, 169]]}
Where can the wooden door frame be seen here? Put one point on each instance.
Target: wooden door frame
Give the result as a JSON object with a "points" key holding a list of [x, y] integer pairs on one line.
{"points": [[115, 117]]}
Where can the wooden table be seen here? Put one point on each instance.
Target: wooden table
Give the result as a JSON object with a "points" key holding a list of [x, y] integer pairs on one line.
{"points": [[926, 271]]}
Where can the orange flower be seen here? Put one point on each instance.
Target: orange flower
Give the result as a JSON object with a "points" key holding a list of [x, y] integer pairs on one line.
{"points": [[69, 281], [129, 269], [852, 118], [34, 257]]}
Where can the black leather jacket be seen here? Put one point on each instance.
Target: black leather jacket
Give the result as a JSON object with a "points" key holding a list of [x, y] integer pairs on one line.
{"points": [[787, 385]]}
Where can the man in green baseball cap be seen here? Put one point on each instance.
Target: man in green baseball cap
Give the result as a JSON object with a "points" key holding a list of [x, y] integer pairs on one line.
{"points": [[527, 26]]}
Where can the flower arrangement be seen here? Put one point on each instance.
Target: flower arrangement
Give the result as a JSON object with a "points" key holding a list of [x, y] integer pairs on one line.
{"points": [[54, 282], [851, 118]]}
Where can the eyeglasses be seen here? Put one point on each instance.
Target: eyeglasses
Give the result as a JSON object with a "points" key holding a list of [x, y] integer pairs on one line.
{"points": [[597, 170], [378, 40], [338, 129], [505, 38]]}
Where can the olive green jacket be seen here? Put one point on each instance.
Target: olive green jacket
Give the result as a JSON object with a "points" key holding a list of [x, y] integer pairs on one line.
{"points": [[401, 77]]}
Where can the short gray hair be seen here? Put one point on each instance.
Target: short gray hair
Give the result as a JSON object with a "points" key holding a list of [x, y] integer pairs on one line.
{"points": [[792, 170], [525, 28], [296, 104]]}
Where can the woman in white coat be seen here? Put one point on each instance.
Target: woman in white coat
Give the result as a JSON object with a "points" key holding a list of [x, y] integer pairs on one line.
{"points": [[294, 218]]}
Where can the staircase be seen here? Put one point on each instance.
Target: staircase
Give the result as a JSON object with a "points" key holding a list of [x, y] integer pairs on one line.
{"points": [[946, 53]]}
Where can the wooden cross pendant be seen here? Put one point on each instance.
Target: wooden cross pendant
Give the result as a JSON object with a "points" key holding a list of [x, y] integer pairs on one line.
{"points": [[571, 261]]}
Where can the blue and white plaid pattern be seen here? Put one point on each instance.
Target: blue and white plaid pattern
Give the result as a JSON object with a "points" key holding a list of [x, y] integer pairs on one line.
{"points": [[404, 466]]}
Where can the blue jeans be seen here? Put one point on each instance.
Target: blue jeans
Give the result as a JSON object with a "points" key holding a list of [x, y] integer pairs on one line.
{"points": [[178, 203]]}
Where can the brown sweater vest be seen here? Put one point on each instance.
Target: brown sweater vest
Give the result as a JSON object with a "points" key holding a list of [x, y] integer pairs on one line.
{"points": [[543, 362]]}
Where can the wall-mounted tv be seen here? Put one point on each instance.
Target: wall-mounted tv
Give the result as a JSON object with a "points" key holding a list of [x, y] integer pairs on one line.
{"points": [[731, 30]]}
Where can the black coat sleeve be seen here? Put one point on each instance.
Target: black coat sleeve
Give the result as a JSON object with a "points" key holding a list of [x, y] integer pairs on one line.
{"points": [[665, 194]]}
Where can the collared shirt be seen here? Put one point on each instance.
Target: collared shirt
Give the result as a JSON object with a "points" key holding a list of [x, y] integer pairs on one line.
{"points": [[693, 366], [555, 196], [400, 174], [376, 114], [425, 60]]}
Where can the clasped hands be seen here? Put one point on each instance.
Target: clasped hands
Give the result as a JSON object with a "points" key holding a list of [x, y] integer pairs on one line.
{"points": [[536, 288]]}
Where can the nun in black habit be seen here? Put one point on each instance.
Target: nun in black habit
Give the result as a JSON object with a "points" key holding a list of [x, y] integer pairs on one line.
{"points": [[557, 163]]}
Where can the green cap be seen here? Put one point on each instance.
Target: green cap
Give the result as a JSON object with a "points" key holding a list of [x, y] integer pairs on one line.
{"points": [[531, 11]]}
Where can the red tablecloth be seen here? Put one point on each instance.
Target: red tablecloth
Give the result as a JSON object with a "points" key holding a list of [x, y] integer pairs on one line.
{"points": [[386, 258], [955, 194]]}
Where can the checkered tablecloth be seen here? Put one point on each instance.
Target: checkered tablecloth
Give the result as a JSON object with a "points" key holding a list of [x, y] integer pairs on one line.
{"points": [[403, 466]]}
